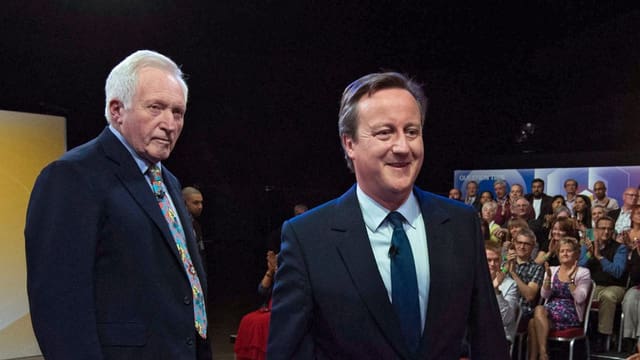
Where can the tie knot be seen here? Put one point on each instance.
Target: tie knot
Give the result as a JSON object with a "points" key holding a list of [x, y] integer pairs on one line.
{"points": [[396, 219], [154, 172]]}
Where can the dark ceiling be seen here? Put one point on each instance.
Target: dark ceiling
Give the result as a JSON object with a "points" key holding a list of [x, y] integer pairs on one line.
{"points": [[266, 76]]}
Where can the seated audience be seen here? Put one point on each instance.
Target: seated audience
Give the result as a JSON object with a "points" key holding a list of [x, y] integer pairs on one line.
{"points": [[606, 259], [505, 288], [631, 301], [560, 229], [527, 274], [488, 213], [253, 332], [597, 211], [565, 288], [600, 197], [582, 212], [455, 194], [486, 196]]}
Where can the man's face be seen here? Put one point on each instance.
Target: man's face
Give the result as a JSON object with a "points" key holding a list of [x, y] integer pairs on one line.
{"points": [[520, 207], [537, 189], [629, 197], [599, 190], [454, 194], [472, 189], [570, 187], [516, 192], [596, 213], [387, 150], [154, 120], [524, 247], [493, 260], [194, 204], [500, 189], [604, 230]]}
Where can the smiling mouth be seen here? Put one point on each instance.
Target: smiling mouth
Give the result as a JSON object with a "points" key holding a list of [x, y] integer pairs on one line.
{"points": [[399, 164]]}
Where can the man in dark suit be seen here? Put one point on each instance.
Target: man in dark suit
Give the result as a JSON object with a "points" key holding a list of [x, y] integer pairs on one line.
{"points": [[471, 197], [113, 270], [340, 290]]}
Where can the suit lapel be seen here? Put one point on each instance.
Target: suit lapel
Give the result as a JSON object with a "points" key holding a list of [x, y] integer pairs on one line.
{"points": [[354, 248], [439, 244], [136, 184]]}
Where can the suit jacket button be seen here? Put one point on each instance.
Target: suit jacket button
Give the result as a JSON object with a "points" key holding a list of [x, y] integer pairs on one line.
{"points": [[187, 300]]}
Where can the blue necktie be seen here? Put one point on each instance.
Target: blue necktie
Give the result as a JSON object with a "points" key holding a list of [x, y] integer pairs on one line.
{"points": [[404, 283]]}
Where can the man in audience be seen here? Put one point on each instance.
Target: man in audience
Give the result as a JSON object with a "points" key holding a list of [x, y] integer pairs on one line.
{"points": [[600, 197], [622, 216], [597, 212], [571, 188], [194, 201], [527, 274], [516, 191], [606, 259], [471, 197], [540, 201], [503, 213], [454, 194], [505, 288]]}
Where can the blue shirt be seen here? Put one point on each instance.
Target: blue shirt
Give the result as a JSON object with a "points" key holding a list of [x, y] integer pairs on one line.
{"points": [[380, 232]]}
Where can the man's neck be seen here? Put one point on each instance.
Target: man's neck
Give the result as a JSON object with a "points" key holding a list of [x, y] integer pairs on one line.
{"points": [[519, 260], [571, 197]]}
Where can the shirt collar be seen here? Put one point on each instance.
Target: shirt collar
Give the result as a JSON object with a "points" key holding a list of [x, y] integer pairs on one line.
{"points": [[143, 164], [374, 214]]}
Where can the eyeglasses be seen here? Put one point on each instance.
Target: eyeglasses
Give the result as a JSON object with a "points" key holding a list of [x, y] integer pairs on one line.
{"points": [[631, 195], [524, 243]]}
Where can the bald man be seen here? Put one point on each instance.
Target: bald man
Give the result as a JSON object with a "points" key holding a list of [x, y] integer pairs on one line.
{"points": [[194, 201]]}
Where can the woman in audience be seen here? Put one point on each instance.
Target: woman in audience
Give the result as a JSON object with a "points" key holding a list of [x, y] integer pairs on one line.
{"points": [[565, 288], [557, 201], [560, 229], [251, 341], [486, 196], [631, 302], [582, 212]]}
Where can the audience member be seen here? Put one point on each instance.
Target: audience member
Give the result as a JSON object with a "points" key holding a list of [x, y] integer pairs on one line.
{"points": [[525, 272], [488, 214], [486, 196], [622, 216], [253, 331], [503, 212], [582, 213], [455, 194], [540, 202], [556, 201], [516, 192], [597, 211], [194, 201], [600, 197], [505, 288], [571, 188], [561, 228], [565, 289], [521, 209], [471, 197], [606, 259], [631, 301]]}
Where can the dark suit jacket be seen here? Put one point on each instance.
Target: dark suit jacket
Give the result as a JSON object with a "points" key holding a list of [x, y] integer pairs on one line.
{"points": [[329, 301], [614, 214], [545, 205], [104, 276]]}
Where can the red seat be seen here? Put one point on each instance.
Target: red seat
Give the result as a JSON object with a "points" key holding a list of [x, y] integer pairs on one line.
{"points": [[567, 333]]}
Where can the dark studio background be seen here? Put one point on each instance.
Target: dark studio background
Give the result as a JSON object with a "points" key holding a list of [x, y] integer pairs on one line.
{"points": [[266, 77]]}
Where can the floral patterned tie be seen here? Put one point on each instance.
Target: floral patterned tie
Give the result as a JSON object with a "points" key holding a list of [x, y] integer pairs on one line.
{"points": [[170, 215]]}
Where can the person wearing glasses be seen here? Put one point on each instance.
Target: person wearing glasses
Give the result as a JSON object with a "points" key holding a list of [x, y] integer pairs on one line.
{"points": [[525, 272], [622, 216], [606, 259]]}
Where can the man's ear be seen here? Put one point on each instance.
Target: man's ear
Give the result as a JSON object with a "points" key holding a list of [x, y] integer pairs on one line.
{"points": [[347, 144], [115, 110]]}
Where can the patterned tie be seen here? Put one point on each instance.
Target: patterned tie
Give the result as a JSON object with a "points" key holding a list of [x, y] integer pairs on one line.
{"points": [[170, 215], [404, 283]]}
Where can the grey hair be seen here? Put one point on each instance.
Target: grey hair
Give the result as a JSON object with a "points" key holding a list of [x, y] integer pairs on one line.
{"points": [[123, 78], [368, 85]]}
